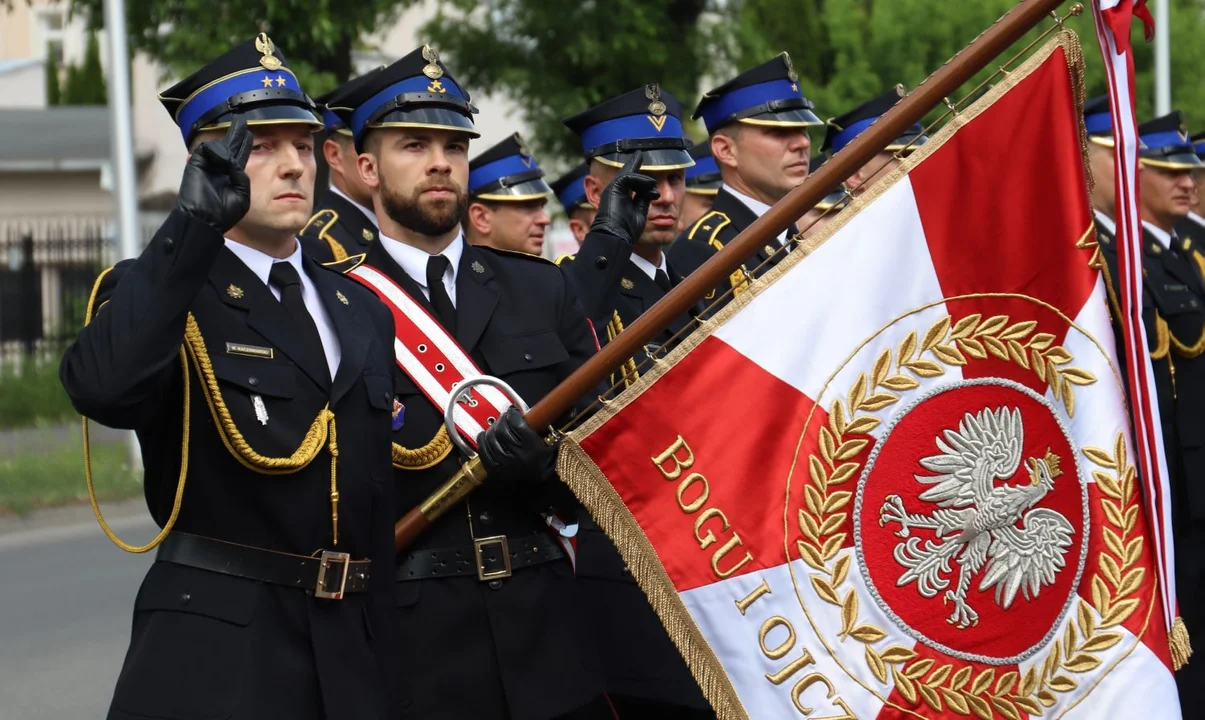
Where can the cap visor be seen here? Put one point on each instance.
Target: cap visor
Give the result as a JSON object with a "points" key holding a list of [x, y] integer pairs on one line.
{"points": [[1180, 161], [1102, 140], [530, 190], [270, 115], [797, 117], [436, 118], [653, 160]]}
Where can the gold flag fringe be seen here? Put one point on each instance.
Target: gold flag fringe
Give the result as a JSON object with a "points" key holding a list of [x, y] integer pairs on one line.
{"points": [[1179, 643]]}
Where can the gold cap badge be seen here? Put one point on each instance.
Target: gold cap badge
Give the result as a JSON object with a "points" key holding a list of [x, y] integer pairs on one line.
{"points": [[653, 93], [432, 69], [791, 74], [264, 45]]}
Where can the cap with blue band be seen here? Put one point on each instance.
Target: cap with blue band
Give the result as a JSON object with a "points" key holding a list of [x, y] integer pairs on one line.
{"points": [[570, 189], [1165, 144], [334, 123], [251, 81], [507, 172], [768, 94], [703, 178], [843, 129], [414, 92], [647, 119]]}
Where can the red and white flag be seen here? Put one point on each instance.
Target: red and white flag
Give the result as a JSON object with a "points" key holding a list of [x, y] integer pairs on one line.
{"points": [[895, 478]]}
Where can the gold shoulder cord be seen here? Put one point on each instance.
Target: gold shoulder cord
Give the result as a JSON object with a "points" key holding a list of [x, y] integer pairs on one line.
{"points": [[428, 455], [100, 518], [337, 249], [321, 432], [629, 370]]}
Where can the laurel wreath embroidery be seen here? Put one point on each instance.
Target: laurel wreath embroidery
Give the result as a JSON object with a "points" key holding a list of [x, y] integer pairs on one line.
{"points": [[940, 686]]}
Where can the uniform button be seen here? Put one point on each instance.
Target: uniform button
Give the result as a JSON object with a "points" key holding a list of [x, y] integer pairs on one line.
{"points": [[626, 570], [495, 584], [527, 357], [184, 598], [486, 518], [253, 381], [168, 245], [600, 262]]}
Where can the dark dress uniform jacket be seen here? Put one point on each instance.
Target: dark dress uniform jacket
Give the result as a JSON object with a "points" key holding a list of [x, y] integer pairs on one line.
{"points": [[638, 657], [208, 645], [710, 233], [1173, 313], [337, 230], [512, 648]]}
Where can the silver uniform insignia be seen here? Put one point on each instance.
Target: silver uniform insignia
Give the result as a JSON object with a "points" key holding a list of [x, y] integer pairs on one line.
{"points": [[261, 410]]}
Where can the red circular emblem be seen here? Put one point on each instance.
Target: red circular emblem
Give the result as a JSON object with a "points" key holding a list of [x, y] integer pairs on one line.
{"points": [[971, 520]]}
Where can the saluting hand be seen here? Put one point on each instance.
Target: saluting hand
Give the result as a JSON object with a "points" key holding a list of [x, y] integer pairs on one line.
{"points": [[624, 205], [215, 188]]}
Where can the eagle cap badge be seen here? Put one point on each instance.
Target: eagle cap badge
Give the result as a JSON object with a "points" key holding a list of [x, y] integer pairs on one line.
{"points": [[265, 46]]}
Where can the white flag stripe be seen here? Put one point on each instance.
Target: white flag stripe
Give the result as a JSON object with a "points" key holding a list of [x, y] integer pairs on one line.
{"points": [[1149, 690], [877, 245], [735, 640]]}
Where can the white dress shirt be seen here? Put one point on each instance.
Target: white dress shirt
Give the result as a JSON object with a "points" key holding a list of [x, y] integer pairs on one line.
{"points": [[368, 213], [1164, 238], [758, 207], [261, 265], [414, 262], [1105, 222], [649, 268]]}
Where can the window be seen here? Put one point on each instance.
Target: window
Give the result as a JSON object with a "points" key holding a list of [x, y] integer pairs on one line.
{"points": [[51, 24]]}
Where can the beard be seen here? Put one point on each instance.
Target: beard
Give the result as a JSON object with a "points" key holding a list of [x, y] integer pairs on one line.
{"points": [[427, 216]]}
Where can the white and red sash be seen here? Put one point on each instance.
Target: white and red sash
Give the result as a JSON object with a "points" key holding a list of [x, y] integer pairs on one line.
{"points": [[436, 363], [433, 359]]}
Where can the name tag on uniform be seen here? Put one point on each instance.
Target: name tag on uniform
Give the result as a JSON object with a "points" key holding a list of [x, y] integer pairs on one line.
{"points": [[254, 351], [1175, 287]]}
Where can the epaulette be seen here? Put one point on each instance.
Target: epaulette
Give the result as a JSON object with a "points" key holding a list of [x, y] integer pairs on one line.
{"points": [[712, 222], [346, 265], [563, 258], [325, 218], [516, 253]]}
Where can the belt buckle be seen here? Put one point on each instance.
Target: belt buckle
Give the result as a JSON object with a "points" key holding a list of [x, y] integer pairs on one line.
{"points": [[479, 544], [326, 560]]}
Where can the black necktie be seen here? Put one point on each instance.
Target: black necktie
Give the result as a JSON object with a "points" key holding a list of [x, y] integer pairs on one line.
{"points": [[284, 277], [662, 280], [437, 265]]}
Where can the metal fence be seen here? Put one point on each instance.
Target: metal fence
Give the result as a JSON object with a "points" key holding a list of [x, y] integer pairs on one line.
{"points": [[48, 266]]}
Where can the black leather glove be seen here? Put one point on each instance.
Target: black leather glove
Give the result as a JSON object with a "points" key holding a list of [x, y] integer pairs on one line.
{"points": [[512, 451], [624, 205], [215, 189]]}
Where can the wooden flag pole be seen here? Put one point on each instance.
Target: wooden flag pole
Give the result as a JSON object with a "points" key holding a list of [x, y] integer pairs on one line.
{"points": [[957, 71]]}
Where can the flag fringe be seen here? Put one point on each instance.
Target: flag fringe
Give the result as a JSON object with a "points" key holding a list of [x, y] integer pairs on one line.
{"points": [[586, 479], [1179, 643]]}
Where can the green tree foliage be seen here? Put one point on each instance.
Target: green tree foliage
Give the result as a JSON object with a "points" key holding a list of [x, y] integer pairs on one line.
{"points": [[556, 58], [851, 50], [316, 37], [54, 92]]}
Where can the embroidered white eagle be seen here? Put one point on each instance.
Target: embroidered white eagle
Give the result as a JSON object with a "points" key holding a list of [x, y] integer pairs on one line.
{"points": [[978, 524]]}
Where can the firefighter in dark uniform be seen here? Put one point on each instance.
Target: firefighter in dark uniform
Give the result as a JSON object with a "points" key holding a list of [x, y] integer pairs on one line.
{"points": [[758, 123], [344, 222], [507, 199], [1173, 314], [844, 128], [646, 675], [570, 190], [261, 379], [486, 597], [703, 182], [1193, 225], [1098, 123]]}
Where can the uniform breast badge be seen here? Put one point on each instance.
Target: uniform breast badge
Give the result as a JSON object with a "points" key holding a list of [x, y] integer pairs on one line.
{"points": [[399, 415], [342, 298], [261, 410], [234, 291], [366, 234], [478, 267]]}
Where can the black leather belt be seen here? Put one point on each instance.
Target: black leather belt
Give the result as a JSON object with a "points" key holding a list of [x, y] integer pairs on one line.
{"points": [[325, 574], [491, 558]]}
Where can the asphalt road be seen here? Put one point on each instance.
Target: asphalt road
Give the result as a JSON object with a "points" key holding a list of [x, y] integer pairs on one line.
{"points": [[66, 598]]}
